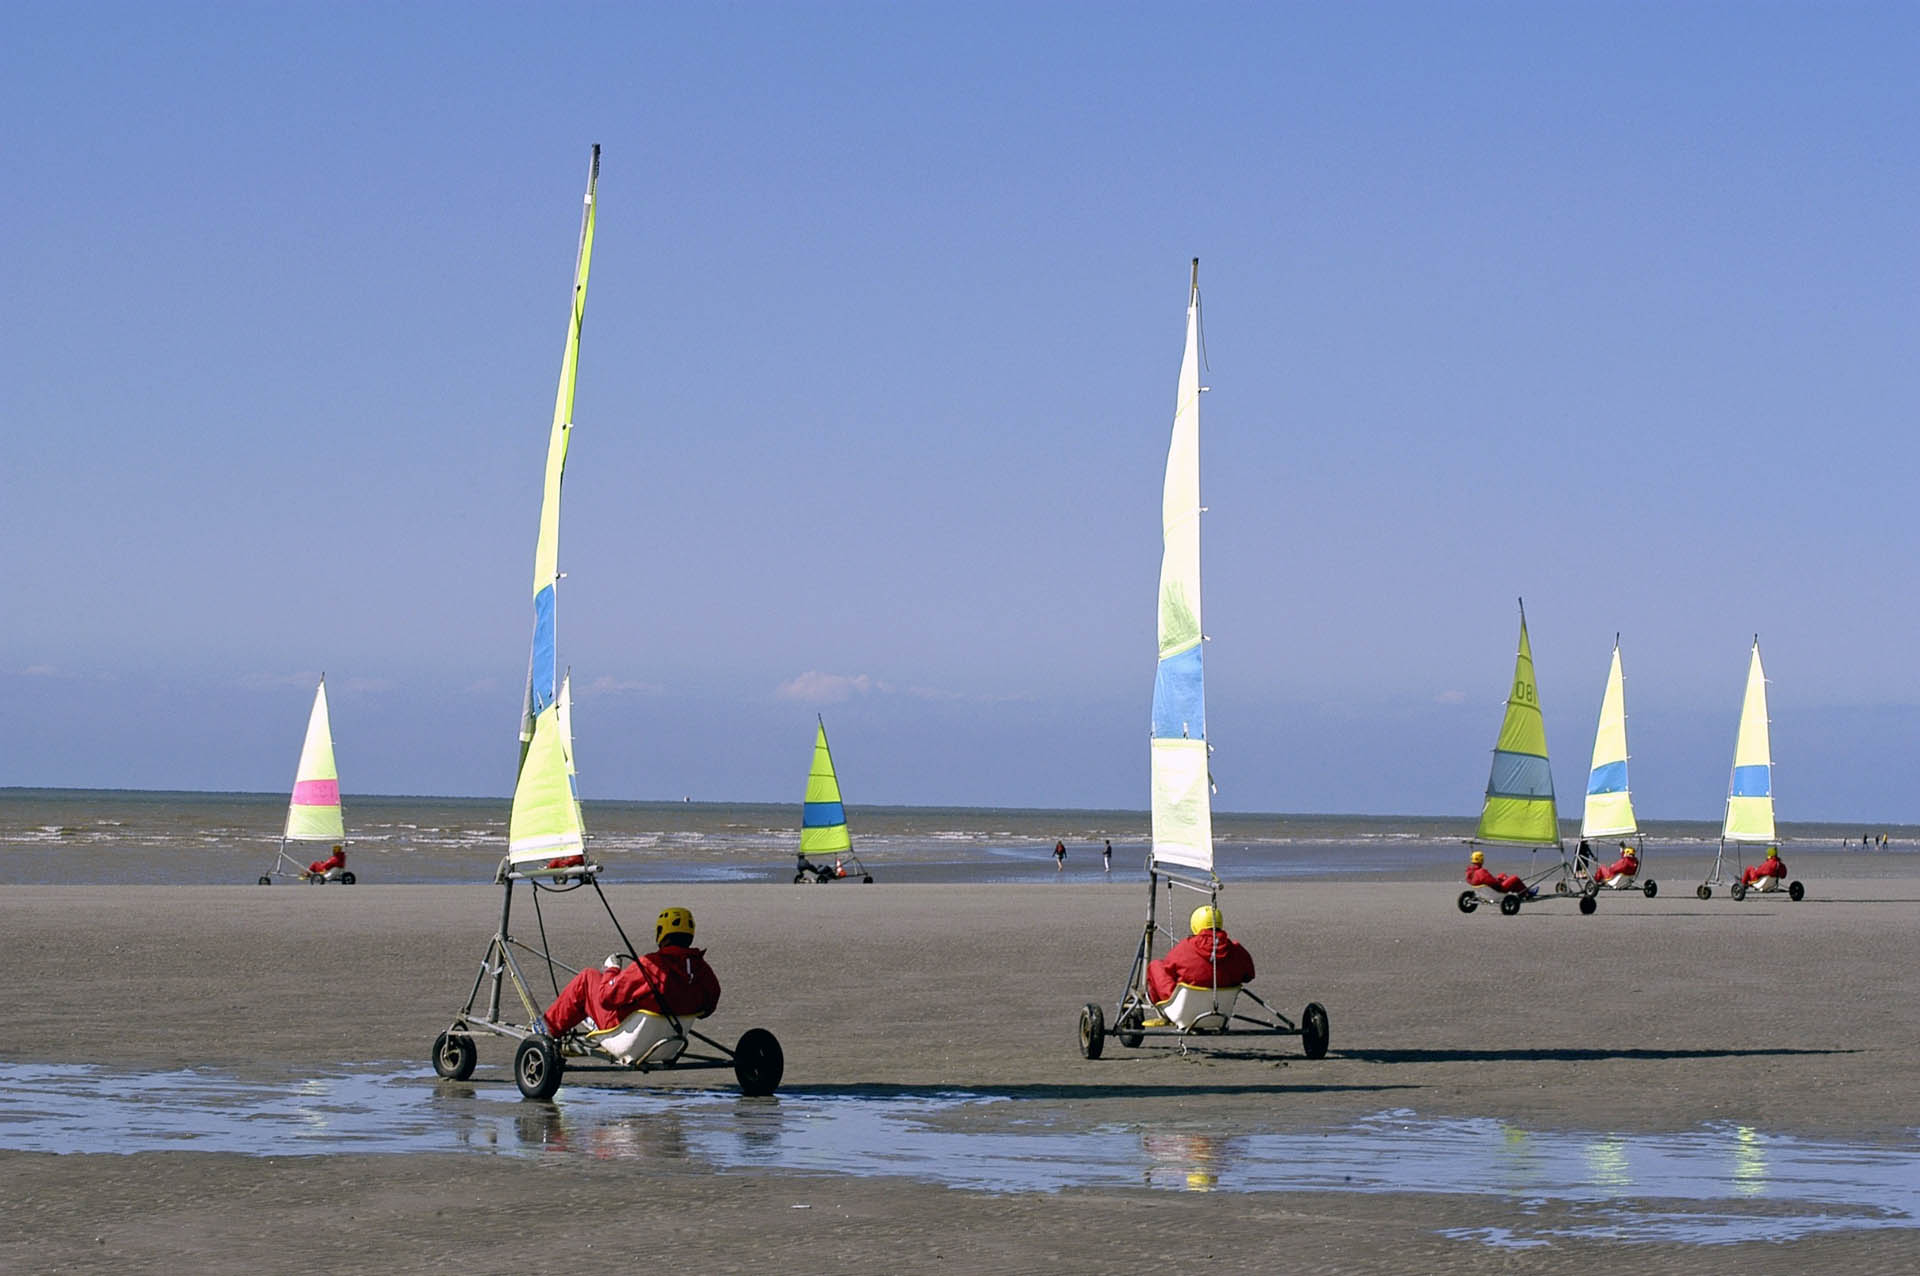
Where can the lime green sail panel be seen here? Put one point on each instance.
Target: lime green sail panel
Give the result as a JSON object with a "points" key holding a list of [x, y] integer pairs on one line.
{"points": [[546, 816], [1181, 788], [1750, 791], [1520, 806], [823, 817], [313, 814], [1609, 809]]}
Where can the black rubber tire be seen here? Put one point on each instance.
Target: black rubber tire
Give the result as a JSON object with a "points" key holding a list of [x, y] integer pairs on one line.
{"points": [[867, 880], [1588, 904], [1468, 901], [1128, 1028], [1316, 1030], [1093, 1031], [1738, 890], [1509, 905], [1650, 888], [347, 878], [316, 880], [758, 1062], [265, 880], [454, 1055], [537, 1067], [1796, 892], [1703, 891], [799, 879]]}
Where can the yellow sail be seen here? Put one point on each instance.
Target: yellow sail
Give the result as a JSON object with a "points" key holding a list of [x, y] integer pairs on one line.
{"points": [[823, 817], [1750, 791], [1520, 806], [1609, 809]]}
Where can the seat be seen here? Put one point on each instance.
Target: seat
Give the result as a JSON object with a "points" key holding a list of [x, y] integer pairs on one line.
{"points": [[1194, 1008], [1767, 884], [1624, 881], [643, 1038]]}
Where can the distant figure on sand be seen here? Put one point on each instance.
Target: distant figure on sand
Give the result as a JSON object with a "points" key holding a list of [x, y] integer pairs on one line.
{"points": [[1059, 857], [1623, 868], [320, 868], [1106, 859], [1772, 866], [1479, 875], [1207, 958], [675, 978]]}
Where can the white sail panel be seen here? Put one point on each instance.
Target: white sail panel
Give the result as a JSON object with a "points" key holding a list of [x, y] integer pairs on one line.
{"points": [[1750, 790], [313, 814], [1182, 805], [1609, 809]]}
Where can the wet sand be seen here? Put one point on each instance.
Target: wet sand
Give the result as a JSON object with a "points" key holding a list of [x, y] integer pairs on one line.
{"points": [[1793, 1018]]}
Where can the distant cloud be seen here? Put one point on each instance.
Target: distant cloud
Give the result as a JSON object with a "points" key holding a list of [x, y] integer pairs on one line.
{"points": [[40, 671], [814, 687], [366, 686], [1451, 697], [608, 685], [482, 687]]}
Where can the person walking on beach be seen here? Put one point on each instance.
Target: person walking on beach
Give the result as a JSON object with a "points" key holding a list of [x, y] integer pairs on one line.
{"points": [[1059, 857], [674, 979], [1206, 958], [1106, 859]]}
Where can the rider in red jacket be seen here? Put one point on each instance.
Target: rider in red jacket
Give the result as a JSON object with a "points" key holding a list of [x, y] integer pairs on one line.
{"points": [[1479, 875], [1772, 866], [1207, 958], [320, 868], [674, 979], [1626, 866]]}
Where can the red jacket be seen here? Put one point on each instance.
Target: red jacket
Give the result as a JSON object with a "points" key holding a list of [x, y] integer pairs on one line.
{"points": [[676, 980], [1775, 867], [1625, 866], [1477, 875], [1208, 959], [336, 860]]}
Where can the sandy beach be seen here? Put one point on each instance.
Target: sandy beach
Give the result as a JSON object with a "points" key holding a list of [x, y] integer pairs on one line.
{"points": [[1793, 1018]]}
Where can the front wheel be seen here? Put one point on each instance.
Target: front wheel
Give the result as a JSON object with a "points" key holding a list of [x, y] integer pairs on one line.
{"points": [[537, 1067], [347, 878], [1650, 888], [1509, 905], [265, 880], [758, 1062], [1796, 892], [1738, 890], [799, 879], [454, 1056], [867, 880], [1315, 1030], [1128, 1028], [1468, 901], [1704, 891], [1588, 904], [1093, 1031]]}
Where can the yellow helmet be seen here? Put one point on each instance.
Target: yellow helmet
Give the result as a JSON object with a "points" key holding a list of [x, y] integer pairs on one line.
{"points": [[1773, 852], [672, 921], [1478, 857], [1629, 852], [1205, 917]]}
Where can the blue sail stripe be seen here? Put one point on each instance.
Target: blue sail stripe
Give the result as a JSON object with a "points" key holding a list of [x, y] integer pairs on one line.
{"points": [[545, 678], [1519, 775], [822, 815], [1608, 777], [1753, 781], [1179, 698]]}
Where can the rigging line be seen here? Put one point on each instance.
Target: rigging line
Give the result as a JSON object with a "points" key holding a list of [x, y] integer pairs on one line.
{"points": [[1203, 329]]}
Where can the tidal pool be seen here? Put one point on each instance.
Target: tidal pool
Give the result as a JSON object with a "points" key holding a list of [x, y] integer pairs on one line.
{"points": [[1711, 1185]]}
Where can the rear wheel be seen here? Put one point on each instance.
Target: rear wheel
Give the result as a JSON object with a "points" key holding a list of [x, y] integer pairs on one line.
{"points": [[1588, 904], [1315, 1030], [537, 1067], [1650, 888], [454, 1056], [1128, 1029], [265, 880], [758, 1062], [867, 880], [1704, 891], [1093, 1031], [1738, 890], [347, 878], [1468, 901], [799, 879], [1509, 905], [1796, 892], [316, 879]]}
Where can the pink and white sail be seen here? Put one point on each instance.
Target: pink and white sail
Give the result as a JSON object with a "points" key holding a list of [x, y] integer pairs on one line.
{"points": [[314, 813]]}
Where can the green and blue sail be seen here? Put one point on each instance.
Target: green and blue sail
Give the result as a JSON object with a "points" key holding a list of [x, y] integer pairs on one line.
{"points": [[823, 816], [546, 819], [1519, 806]]}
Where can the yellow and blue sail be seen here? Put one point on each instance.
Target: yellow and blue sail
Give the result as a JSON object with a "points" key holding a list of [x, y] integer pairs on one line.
{"points": [[1750, 791], [823, 816], [1520, 806], [1609, 809], [1181, 784], [546, 821], [313, 814]]}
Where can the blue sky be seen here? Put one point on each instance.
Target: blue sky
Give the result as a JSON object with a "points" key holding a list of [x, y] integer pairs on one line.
{"points": [[1611, 306]]}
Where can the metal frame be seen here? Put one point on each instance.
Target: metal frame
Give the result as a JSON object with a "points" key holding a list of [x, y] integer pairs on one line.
{"points": [[501, 968], [1569, 881], [1735, 887], [1638, 841], [1136, 1008], [823, 873], [294, 870]]}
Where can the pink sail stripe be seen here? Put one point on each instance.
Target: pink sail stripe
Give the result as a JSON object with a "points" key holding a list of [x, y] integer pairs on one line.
{"points": [[316, 793]]}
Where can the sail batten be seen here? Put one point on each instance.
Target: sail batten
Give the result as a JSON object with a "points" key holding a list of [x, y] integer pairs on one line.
{"points": [[546, 820], [1609, 806], [313, 813], [823, 816], [1181, 784], [1519, 806], [1749, 815]]}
